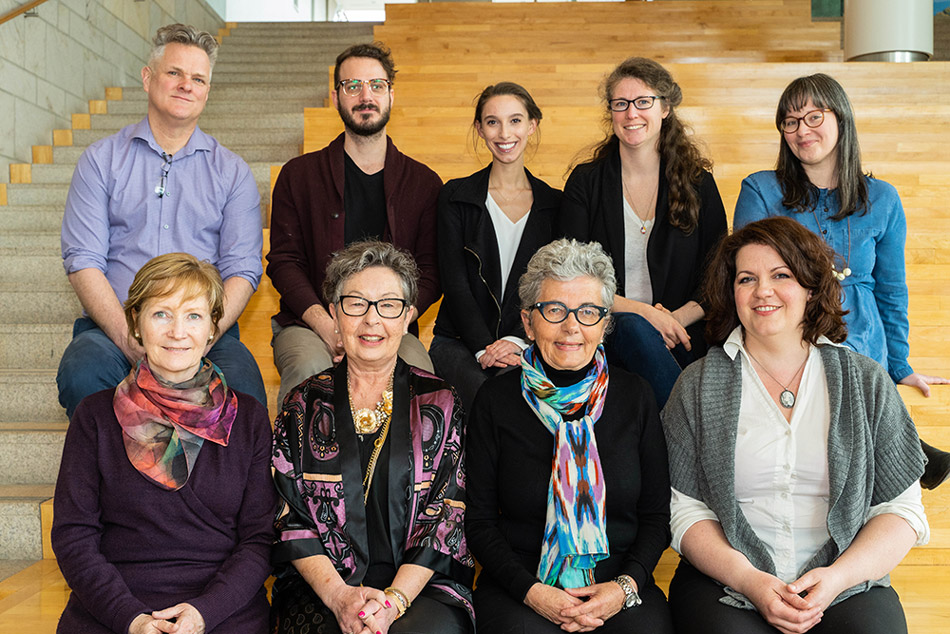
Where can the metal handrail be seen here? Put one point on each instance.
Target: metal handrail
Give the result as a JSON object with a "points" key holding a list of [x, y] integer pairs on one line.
{"points": [[23, 8]]}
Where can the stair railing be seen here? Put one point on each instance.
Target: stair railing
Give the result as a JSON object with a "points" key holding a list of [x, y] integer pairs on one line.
{"points": [[23, 8]]}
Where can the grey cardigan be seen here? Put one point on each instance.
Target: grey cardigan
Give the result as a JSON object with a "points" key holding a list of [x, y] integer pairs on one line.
{"points": [[873, 450]]}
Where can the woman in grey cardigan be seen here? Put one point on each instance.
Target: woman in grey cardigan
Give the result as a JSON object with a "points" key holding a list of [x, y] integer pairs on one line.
{"points": [[795, 467]]}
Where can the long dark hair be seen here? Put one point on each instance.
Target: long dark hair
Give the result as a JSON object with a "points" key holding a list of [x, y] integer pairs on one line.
{"points": [[798, 193], [685, 162], [805, 254]]}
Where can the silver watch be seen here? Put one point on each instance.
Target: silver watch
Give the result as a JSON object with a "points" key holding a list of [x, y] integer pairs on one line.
{"points": [[630, 597]]}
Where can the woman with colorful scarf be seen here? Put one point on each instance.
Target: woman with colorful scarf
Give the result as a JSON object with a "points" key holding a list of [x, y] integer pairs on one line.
{"points": [[568, 496], [368, 463], [164, 506]]}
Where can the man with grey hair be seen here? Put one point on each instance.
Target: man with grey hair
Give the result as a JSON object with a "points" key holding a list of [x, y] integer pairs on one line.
{"points": [[159, 186]]}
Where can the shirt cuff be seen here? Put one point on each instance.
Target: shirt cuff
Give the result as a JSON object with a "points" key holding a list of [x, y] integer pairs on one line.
{"points": [[518, 341], [907, 505], [684, 512]]}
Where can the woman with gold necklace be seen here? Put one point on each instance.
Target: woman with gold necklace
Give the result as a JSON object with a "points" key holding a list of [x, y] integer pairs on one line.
{"points": [[648, 196], [368, 464]]}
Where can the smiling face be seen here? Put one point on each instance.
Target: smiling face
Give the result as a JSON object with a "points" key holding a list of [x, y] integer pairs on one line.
{"points": [[769, 300], [367, 113], [174, 331], [371, 341], [567, 345], [178, 86], [816, 148], [505, 128], [638, 128]]}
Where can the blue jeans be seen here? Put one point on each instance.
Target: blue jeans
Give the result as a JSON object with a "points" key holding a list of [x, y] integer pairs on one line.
{"points": [[92, 363], [636, 346]]}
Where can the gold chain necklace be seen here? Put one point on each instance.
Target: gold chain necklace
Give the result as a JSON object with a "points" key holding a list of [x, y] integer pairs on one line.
{"points": [[369, 420]]}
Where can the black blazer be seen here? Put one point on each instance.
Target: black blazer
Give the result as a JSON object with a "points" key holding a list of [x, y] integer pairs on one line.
{"points": [[473, 309], [592, 210]]}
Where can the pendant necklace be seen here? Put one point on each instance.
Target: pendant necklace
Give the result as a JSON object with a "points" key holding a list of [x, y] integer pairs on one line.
{"points": [[846, 271], [369, 420], [640, 219], [787, 397]]}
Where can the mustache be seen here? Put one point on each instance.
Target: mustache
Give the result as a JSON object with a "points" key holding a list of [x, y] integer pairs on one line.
{"points": [[366, 107]]}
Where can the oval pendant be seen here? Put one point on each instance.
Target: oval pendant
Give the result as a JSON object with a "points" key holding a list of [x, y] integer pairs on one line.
{"points": [[643, 230], [787, 399]]}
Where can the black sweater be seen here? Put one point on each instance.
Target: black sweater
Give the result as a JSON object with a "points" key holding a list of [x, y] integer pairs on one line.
{"points": [[508, 456]]}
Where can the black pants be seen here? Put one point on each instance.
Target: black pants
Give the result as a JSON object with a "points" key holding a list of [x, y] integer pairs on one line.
{"points": [[497, 612], [694, 602], [298, 610]]}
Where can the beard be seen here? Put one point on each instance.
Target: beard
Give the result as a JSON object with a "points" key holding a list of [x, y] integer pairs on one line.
{"points": [[353, 121]]}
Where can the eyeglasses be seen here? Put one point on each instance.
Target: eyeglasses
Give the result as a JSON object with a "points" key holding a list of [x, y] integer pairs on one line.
{"points": [[356, 306], [353, 87], [585, 314], [167, 165], [812, 119], [640, 103]]}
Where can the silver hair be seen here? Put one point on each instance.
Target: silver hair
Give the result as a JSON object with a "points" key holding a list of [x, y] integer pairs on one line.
{"points": [[182, 34], [565, 260], [359, 256]]}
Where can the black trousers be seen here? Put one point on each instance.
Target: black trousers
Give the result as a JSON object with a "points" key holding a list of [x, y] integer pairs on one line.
{"points": [[497, 612], [297, 609], [694, 602]]}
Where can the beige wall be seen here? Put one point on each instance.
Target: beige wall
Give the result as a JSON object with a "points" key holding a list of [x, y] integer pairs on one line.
{"points": [[52, 64]]}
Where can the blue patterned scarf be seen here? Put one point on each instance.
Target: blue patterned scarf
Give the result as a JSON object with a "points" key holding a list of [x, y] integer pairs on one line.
{"points": [[575, 530]]}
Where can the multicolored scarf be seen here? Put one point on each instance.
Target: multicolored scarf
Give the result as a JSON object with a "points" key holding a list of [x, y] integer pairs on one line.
{"points": [[575, 530], [164, 425]]}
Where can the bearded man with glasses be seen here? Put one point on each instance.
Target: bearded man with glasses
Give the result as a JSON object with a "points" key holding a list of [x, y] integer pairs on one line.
{"points": [[360, 187]]}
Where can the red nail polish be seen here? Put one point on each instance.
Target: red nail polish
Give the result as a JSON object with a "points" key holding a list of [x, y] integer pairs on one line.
{"points": [[387, 605], [362, 614]]}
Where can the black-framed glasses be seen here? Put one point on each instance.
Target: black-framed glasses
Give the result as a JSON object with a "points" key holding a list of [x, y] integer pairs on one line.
{"points": [[353, 87], [640, 103], [387, 308], [166, 165], [812, 119], [585, 314]]}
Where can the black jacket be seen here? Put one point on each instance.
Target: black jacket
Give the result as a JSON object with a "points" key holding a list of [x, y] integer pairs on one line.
{"points": [[592, 210], [472, 307]]}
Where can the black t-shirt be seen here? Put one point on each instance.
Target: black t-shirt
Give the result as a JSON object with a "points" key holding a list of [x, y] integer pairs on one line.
{"points": [[364, 203]]}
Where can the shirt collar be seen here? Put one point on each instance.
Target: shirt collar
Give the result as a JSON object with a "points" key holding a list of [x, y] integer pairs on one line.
{"points": [[734, 343], [198, 140]]}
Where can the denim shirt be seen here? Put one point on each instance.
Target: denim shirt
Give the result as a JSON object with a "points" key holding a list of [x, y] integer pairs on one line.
{"points": [[875, 294]]}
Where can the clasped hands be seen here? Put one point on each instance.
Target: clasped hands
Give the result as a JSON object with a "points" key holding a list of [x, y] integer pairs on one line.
{"points": [[362, 610], [188, 620], [576, 609], [795, 607]]}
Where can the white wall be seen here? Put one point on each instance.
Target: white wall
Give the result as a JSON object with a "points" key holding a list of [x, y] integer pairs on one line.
{"points": [[52, 64], [275, 11]]}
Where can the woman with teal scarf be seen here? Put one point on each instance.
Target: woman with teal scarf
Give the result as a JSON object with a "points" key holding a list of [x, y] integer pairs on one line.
{"points": [[568, 495]]}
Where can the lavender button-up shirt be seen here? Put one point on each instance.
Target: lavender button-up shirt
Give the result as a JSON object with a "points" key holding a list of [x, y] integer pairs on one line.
{"points": [[115, 221]]}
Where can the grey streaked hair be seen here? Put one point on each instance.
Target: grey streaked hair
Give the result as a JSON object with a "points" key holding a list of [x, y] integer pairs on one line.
{"points": [[359, 256], [565, 260], [182, 34]]}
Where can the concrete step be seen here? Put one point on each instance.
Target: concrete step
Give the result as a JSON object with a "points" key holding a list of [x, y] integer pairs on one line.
{"points": [[33, 346], [30, 396], [264, 77], [61, 173], [214, 121], [30, 305], [316, 66], [19, 270], [332, 41], [30, 218], [245, 91], [34, 241], [46, 195], [320, 60], [218, 107], [30, 452], [319, 27], [20, 525], [228, 138]]}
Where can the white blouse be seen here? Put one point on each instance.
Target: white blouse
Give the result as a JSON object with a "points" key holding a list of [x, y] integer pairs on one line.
{"points": [[636, 285], [781, 471], [508, 234]]}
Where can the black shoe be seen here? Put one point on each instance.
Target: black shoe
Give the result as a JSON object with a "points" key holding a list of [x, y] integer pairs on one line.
{"points": [[938, 466]]}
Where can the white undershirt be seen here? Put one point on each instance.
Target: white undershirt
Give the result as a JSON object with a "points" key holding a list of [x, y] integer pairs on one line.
{"points": [[508, 234], [637, 285], [782, 470]]}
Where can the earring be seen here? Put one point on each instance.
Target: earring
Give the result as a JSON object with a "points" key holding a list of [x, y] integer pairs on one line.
{"points": [[210, 338]]}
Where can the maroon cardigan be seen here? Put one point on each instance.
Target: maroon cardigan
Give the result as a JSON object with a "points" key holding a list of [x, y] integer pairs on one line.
{"points": [[307, 224]]}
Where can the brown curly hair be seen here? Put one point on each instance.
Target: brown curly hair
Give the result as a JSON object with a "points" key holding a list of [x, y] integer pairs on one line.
{"points": [[810, 261], [685, 162]]}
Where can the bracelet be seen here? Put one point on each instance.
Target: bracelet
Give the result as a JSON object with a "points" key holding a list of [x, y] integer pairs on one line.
{"points": [[402, 601]]}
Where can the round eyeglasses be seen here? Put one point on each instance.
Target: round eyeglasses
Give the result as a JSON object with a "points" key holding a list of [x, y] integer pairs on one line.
{"points": [[812, 119], [585, 314], [640, 103], [356, 306], [353, 87]]}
